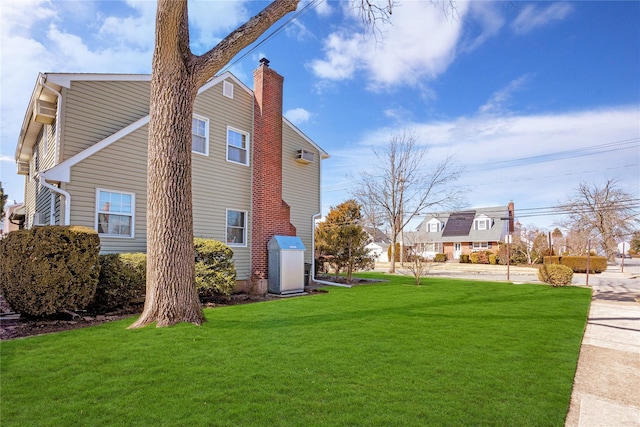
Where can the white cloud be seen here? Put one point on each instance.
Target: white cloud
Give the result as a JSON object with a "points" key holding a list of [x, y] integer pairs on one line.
{"points": [[210, 21], [298, 115], [495, 149], [420, 43], [323, 8], [533, 17], [499, 101]]}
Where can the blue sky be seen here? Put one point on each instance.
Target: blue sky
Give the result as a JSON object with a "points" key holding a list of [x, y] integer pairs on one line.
{"points": [[529, 98]]}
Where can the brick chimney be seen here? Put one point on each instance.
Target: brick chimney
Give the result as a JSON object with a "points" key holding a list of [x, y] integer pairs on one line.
{"points": [[269, 214]]}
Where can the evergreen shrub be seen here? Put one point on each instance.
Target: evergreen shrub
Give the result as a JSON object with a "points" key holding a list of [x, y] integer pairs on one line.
{"points": [[578, 264], [122, 281], [49, 269], [555, 274], [464, 259], [215, 272], [440, 258]]}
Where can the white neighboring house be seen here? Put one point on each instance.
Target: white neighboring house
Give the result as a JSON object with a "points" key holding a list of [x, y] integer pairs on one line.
{"points": [[379, 245], [379, 250]]}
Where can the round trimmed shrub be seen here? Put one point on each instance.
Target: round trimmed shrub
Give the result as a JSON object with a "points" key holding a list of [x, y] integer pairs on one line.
{"points": [[215, 272], [49, 269], [555, 274], [122, 281]]}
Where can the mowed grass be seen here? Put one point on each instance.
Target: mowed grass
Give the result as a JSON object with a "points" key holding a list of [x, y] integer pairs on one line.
{"points": [[449, 352]]}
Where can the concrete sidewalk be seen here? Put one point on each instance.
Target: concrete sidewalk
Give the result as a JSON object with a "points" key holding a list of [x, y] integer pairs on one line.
{"points": [[606, 389]]}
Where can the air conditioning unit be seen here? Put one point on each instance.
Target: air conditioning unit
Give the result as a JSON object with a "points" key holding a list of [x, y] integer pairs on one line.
{"points": [[37, 218], [44, 112], [305, 157], [23, 168]]}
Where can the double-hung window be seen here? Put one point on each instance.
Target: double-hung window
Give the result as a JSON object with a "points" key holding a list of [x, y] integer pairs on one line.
{"points": [[480, 245], [115, 213], [237, 146], [236, 228], [200, 135]]}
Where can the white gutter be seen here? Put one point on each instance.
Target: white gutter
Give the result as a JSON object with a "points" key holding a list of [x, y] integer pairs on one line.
{"points": [[43, 82], [313, 242], [56, 154], [313, 258], [67, 199]]}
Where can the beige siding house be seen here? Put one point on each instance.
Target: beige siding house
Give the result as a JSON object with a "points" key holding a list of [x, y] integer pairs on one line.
{"points": [[83, 152]]}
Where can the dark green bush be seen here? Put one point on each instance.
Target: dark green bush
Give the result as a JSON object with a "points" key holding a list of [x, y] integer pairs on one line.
{"points": [[440, 258], [578, 264], [49, 269], [122, 281], [215, 272], [464, 259], [555, 274]]}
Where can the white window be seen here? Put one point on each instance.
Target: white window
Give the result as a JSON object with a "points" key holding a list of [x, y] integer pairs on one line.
{"points": [[483, 224], [115, 213], [227, 89], [200, 135], [236, 228], [480, 245], [433, 227], [237, 146]]}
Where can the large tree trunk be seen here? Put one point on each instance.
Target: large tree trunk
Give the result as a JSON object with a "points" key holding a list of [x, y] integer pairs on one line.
{"points": [[171, 293], [176, 76]]}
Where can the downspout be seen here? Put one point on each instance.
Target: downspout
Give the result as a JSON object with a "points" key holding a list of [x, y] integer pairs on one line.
{"points": [[67, 198], [56, 154], [313, 244]]}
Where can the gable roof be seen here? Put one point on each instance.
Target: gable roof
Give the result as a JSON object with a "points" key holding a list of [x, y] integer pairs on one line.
{"points": [[459, 226], [62, 171]]}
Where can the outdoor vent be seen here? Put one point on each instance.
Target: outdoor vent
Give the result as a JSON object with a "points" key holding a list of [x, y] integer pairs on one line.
{"points": [[37, 218], [305, 157], [227, 89], [44, 112], [23, 168]]}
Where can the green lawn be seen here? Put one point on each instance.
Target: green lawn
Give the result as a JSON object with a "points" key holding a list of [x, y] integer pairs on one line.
{"points": [[450, 352]]}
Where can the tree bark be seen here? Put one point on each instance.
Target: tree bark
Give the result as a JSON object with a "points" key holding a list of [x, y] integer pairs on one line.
{"points": [[177, 75]]}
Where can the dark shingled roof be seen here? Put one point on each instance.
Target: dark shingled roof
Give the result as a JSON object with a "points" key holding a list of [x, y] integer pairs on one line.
{"points": [[459, 224]]}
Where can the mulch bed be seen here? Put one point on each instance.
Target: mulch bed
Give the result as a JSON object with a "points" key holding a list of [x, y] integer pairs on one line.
{"points": [[14, 326]]}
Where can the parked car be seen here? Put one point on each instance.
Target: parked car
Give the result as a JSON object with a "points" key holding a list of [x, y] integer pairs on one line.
{"points": [[620, 255]]}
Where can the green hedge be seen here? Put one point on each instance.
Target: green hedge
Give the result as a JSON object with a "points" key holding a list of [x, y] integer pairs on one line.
{"points": [[440, 258], [578, 264], [49, 269], [464, 259], [215, 272], [555, 274], [122, 281]]}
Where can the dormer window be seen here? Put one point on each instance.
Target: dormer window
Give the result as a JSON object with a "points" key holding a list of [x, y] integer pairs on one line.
{"points": [[483, 223], [433, 226]]}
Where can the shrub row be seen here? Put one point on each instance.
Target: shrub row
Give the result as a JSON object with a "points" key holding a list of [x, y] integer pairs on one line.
{"points": [[440, 258], [52, 269], [482, 257], [555, 274], [47, 270], [578, 264]]}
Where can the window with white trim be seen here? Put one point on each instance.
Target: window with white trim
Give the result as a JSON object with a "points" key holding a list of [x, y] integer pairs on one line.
{"points": [[483, 224], [236, 228], [200, 135], [115, 213], [480, 245], [237, 146], [433, 227]]}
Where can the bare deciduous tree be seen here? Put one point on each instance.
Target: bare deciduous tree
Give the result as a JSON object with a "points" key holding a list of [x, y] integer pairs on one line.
{"points": [[402, 188], [605, 213]]}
